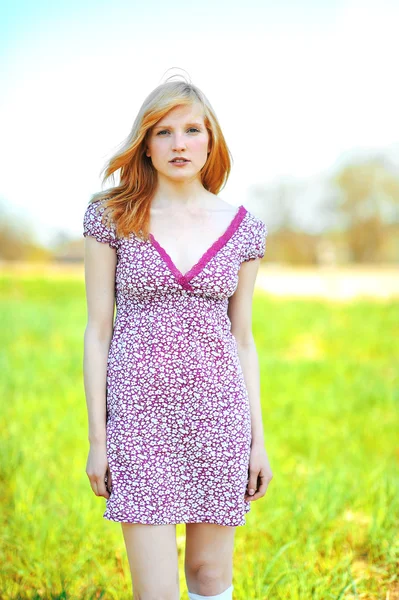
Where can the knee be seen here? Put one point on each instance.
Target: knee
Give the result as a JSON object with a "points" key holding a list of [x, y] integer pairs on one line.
{"points": [[210, 579]]}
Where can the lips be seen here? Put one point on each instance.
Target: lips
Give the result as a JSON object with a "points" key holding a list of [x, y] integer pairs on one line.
{"points": [[178, 159]]}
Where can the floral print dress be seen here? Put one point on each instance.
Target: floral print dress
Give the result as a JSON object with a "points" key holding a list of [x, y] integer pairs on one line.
{"points": [[178, 412]]}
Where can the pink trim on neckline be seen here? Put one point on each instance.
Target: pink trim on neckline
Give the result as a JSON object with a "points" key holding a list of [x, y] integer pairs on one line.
{"points": [[206, 257], [166, 258]]}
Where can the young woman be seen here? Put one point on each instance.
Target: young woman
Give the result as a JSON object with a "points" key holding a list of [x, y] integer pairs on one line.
{"points": [[172, 386]]}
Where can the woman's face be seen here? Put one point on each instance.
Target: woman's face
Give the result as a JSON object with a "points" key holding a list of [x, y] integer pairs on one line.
{"points": [[180, 133]]}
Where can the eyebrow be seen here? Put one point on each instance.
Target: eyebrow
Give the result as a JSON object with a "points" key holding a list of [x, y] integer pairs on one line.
{"points": [[170, 127]]}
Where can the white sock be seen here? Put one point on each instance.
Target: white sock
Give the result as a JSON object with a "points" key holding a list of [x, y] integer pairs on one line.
{"points": [[226, 595]]}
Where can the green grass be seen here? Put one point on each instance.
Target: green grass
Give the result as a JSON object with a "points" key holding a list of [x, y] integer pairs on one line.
{"points": [[328, 525]]}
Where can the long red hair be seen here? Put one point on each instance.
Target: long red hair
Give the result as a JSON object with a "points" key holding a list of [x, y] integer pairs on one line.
{"points": [[129, 202]]}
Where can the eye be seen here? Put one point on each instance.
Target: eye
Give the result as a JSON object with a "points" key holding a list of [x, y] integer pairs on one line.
{"points": [[166, 131]]}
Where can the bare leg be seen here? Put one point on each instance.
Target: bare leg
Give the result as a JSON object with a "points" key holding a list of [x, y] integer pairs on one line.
{"points": [[153, 560], [209, 558]]}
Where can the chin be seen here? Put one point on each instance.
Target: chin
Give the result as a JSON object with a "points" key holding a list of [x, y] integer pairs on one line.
{"points": [[181, 173]]}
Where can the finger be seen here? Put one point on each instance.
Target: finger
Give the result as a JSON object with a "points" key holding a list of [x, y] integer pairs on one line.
{"points": [[260, 492], [106, 481], [252, 483], [102, 488], [94, 487]]}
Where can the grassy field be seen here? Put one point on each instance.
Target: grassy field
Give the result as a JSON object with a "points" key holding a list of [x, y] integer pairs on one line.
{"points": [[328, 525]]}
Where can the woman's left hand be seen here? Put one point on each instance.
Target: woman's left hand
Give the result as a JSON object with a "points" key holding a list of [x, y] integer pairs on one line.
{"points": [[259, 473]]}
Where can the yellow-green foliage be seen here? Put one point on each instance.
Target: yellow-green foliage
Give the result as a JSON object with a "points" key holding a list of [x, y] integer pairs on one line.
{"points": [[328, 525]]}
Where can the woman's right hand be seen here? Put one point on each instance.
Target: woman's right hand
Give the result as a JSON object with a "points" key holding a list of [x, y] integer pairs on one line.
{"points": [[98, 471]]}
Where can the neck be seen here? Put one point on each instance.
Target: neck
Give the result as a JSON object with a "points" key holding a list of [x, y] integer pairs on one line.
{"points": [[178, 193]]}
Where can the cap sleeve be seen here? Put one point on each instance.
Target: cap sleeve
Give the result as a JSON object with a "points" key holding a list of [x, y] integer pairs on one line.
{"points": [[256, 240], [94, 226]]}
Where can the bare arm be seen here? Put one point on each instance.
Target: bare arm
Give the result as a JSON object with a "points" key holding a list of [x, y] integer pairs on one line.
{"points": [[240, 314], [100, 265]]}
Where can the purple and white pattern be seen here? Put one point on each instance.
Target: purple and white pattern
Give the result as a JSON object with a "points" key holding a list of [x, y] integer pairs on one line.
{"points": [[178, 413]]}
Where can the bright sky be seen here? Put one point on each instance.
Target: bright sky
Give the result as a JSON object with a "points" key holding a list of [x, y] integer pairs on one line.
{"points": [[296, 86]]}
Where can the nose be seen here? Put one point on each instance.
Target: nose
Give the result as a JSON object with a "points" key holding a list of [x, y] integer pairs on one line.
{"points": [[178, 142]]}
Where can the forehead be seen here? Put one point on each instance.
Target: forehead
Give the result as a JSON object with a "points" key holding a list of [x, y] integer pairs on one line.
{"points": [[183, 114]]}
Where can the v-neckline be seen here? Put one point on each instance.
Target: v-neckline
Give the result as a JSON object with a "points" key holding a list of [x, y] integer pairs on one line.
{"points": [[184, 279]]}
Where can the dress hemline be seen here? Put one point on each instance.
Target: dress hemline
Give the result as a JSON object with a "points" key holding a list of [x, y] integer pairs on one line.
{"points": [[176, 521]]}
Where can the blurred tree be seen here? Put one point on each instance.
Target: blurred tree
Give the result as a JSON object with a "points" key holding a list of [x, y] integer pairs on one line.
{"points": [[17, 240], [284, 207], [369, 202]]}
